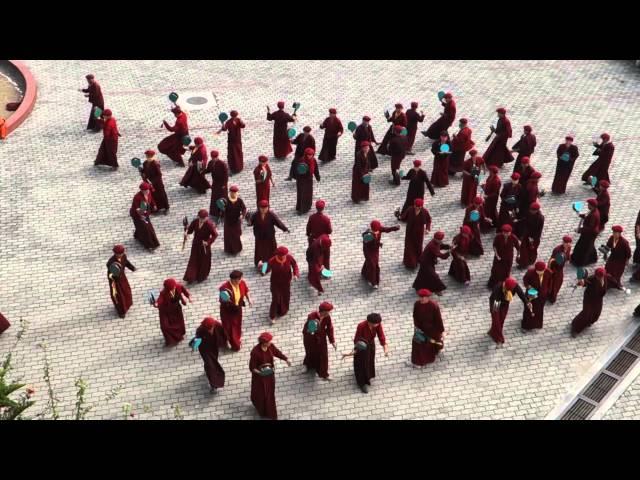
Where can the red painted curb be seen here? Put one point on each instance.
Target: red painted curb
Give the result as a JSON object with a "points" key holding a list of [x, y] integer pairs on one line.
{"points": [[29, 99]]}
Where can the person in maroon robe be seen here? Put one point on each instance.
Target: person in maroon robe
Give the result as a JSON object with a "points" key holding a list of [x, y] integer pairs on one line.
{"points": [[283, 268], [263, 178], [315, 254], [524, 147], [361, 167], [619, 254], [596, 287], [499, 300], [503, 246], [118, 283], [204, 234], [428, 330], [234, 142], [371, 249], [264, 222], [471, 170], [219, 181], [364, 351], [459, 269], [491, 189], [319, 224], [172, 145], [141, 207], [108, 152], [600, 168], [525, 169], [195, 177], [303, 141], [483, 224], [317, 329], [212, 336], [418, 178], [530, 194], [561, 252], [397, 149], [364, 133], [446, 118], [510, 202], [604, 202], [333, 130], [235, 210], [427, 276], [418, 223], [168, 304], [397, 119], [584, 252], [498, 153], [151, 173], [539, 278], [461, 143], [529, 230], [4, 324], [263, 378], [636, 253], [304, 181], [231, 310], [440, 173], [281, 120], [93, 92], [567, 154], [413, 118]]}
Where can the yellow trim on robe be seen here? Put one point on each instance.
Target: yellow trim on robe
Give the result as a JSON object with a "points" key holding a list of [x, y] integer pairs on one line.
{"points": [[236, 294]]}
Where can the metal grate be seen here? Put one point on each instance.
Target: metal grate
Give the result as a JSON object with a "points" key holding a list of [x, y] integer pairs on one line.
{"points": [[621, 363], [634, 343], [599, 388], [580, 410]]}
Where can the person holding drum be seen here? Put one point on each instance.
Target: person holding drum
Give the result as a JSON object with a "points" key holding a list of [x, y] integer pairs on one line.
{"points": [[319, 224], [619, 253], [118, 283], [446, 117], [600, 168], [559, 257], [195, 177], [141, 207], [173, 145], [283, 268], [170, 310], [418, 222], [503, 246], [499, 300], [212, 337], [234, 127], [233, 293], [151, 173], [93, 92], [303, 141], [108, 152], [427, 276], [315, 259], [264, 223], [596, 287], [428, 330], [413, 118], [317, 329], [397, 119], [418, 179], [263, 379], [364, 133], [567, 154], [361, 175], [537, 283], [333, 130], [307, 168], [219, 181], [371, 248], [584, 252], [204, 234], [280, 119], [364, 351], [263, 178], [234, 211]]}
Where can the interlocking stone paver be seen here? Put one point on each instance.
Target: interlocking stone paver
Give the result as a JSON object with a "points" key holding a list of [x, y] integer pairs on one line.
{"points": [[61, 216]]}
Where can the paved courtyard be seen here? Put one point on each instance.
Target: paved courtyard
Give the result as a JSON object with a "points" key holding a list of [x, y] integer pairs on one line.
{"points": [[61, 216]]}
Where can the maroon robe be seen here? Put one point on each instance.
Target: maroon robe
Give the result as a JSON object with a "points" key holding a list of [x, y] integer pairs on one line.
{"points": [[231, 313], [95, 98], [525, 148], [172, 146], [371, 267], [263, 389], [315, 344], [500, 314], [498, 153], [302, 142], [4, 324], [219, 180], [108, 152], [530, 227], [315, 259], [600, 168], [427, 276], [194, 177], [508, 212], [604, 204], [199, 264], [144, 231], [461, 143], [234, 144], [281, 143], [395, 119], [282, 272], [618, 258], [531, 279], [501, 269], [469, 189], [444, 122], [414, 235], [440, 173], [475, 245], [564, 169], [491, 193], [332, 131], [359, 189], [557, 271], [320, 224], [265, 234], [364, 361], [233, 215], [397, 149], [413, 118], [263, 186], [123, 299], [594, 293], [361, 134], [428, 319], [584, 253], [530, 194], [151, 173], [636, 253], [304, 185], [171, 318], [417, 181], [209, 351], [459, 269]]}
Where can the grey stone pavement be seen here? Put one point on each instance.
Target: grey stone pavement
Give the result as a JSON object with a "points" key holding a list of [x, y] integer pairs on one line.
{"points": [[61, 216]]}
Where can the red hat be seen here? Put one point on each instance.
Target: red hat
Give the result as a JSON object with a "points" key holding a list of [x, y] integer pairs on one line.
{"points": [[398, 128], [333, 110], [424, 292], [325, 307], [118, 249], [263, 158], [593, 202], [198, 141], [510, 283], [203, 213], [366, 118], [376, 225], [306, 129], [448, 95], [540, 266], [325, 241], [527, 128], [494, 169], [207, 322], [473, 152], [107, 113], [414, 104], [265, 337], [90, 76], [309, 151], [604, 183], [535, 175], [214, 154], [281, 104], [569, 137], [418, 202], [478, 200], [234, 188], [600, 272], [524, 160], [515, 176], [617, 228], [534, 206], [233, 113], [282, 251], [507, 228], [478, 160], [320, 204], [263, 203], [145, 186], [567, 239], [438, 235], [364, 143], [399, 105], [170, 283], [464, 120], [605, 137], [501, 110], [150, 153], [417, 163], [466, 229]]}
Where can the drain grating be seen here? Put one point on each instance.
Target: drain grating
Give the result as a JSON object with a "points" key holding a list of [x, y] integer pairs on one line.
{"points": [[580, 410], [634, 343], [622, 363], [599, 388]]}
